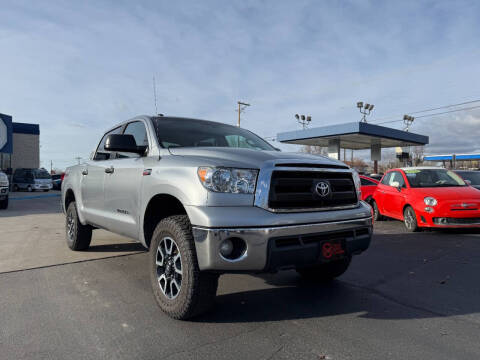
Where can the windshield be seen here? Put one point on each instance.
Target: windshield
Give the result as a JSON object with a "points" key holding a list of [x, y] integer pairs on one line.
{"points": [[179, 132], [433, 178], [472, 176], [41, 174]]}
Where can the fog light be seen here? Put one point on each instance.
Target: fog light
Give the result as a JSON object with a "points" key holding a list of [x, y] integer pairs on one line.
{"points": [[226, 248]]}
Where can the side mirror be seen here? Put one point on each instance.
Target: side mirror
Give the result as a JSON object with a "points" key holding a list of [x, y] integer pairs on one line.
{"points": [[468, 182], [123, 143]]}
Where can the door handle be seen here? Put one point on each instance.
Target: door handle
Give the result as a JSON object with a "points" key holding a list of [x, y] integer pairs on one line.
{"points": [[84, 172], [110, 170]]}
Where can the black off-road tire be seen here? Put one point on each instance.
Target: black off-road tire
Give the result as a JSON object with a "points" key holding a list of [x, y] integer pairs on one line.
{"points": [[410, 220], [197, 289], [325, 272], [4, 204], [78, 236], [376, 213]]}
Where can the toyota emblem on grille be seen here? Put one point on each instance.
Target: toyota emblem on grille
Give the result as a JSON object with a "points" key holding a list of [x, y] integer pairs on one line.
{"points": [[322, 188]]}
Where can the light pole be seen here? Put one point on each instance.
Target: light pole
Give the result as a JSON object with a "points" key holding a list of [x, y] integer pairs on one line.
{"points": [[241, 108], [303, 120], [364, 109], [408, 121]]}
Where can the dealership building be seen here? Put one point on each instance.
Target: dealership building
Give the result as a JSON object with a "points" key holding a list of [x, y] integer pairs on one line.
{"points": [[19, 145]]}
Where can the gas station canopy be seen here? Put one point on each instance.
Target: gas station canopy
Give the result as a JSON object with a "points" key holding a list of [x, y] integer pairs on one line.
{"points": [[355, 135]]}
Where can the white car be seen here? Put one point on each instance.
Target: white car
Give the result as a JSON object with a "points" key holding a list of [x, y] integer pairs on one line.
{"points": [[4, 187]]}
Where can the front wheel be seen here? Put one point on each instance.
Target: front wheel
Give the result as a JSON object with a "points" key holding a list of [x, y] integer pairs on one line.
{"points": [[181, 290], [325, 272], [376, 213], [78, 236], [410, 219]]}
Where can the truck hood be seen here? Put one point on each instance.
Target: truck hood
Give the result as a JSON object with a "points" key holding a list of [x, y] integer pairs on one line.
{"points": [[252, 158]]}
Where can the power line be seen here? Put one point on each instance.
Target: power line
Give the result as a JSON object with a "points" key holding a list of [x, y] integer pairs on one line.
{"points": [[427, 110], [428, 115]]}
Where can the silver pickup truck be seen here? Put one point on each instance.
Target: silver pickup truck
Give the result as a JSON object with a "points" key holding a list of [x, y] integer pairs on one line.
{"points": [[208, 198]]}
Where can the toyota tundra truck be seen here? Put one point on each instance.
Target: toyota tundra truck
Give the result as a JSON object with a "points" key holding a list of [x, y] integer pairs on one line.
{"points": [[207, 198]]}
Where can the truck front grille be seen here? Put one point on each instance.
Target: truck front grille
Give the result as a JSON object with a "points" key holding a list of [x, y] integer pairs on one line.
{"points": [[296, 190]]}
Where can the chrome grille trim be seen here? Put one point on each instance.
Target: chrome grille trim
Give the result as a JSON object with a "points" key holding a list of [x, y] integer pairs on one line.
{"points": [[264, 180]]}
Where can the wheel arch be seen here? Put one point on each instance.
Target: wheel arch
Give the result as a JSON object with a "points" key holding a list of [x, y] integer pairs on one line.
{"points": [[69, 197], [159, 207]]}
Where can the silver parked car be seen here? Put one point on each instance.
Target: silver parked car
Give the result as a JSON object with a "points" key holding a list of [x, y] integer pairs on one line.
{"points": [[208, 198]]}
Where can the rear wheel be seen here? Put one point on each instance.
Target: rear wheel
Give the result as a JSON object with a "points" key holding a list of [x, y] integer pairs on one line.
{"points": [[29, 188], [376, 213], [325, 272], [182, 291], [410, 219], [78, 236]]}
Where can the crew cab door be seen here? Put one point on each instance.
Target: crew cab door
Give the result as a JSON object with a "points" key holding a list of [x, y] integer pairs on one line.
{"points": [[92, 183], [123, 183]]}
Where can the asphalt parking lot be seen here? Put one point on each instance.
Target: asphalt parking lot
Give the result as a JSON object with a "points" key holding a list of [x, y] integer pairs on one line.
{"points": [[411, 296]]}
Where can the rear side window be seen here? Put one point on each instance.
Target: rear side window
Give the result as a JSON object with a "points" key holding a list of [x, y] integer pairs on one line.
{"points": [[101, 153]]}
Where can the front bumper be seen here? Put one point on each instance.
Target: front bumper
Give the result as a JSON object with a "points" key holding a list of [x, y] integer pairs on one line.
{"points": [[263, 253], [449, 219]]}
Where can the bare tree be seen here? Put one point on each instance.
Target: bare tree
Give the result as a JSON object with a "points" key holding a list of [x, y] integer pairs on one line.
{"points": [[315, 150]]}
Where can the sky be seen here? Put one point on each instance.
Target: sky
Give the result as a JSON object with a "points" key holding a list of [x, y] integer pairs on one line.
{"points": [[79, 67]]}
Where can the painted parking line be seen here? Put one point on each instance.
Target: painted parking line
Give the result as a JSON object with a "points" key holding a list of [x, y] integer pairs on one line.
{"points": [[35, 197]]}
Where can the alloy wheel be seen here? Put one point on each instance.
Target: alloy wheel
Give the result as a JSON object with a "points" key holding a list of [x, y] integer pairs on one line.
{"points": [[70, 226], [169, 267], [409, 219]]}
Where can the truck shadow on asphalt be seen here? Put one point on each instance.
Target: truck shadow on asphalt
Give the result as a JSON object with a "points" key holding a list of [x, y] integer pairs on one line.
{"points": [[308, 301], [401, 276]]}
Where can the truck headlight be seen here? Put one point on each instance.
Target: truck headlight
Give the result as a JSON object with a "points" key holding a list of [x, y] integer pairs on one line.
{"points": [[228, 180], [430, 201], [358, 184]]}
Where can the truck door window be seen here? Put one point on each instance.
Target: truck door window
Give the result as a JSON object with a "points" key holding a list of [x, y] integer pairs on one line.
{"points": [[139, 132], [101, 153]]}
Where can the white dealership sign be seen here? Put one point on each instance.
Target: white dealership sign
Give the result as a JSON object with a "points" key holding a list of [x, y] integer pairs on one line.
{"points": [[3, 133]]}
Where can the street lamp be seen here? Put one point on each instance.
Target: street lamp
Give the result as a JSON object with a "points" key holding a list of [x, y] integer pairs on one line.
{"points": [[408, 121], [303, 120], [365, 109]]}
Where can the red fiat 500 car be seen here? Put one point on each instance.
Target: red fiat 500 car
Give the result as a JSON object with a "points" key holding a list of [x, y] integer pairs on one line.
{"points": [[427, 197], [368, 187]]}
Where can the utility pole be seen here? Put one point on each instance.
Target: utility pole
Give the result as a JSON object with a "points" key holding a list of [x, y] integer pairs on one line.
{"points": [[51, 167], [241, 108]]}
